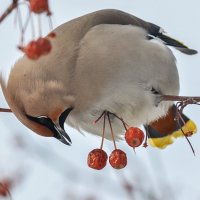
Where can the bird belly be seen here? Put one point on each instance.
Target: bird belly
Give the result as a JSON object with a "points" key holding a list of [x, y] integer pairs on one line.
{"points": [[118, 77], [134, 105]]}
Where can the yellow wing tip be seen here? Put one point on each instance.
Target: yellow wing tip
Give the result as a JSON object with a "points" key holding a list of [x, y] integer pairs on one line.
{"points": [[161, 143], [189, 129]]}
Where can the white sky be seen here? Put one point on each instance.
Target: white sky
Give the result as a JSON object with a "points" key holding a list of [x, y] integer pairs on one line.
{"points": [[53, 170]]}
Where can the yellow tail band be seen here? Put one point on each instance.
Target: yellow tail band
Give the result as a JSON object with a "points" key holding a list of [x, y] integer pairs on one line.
{"points": [[163, 142]]}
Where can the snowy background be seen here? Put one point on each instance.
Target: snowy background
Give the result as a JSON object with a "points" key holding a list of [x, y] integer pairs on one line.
{"points": [[44, 169]]}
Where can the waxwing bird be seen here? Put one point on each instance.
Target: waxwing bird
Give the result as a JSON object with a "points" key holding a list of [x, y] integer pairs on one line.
{"points": [[107, 60]]}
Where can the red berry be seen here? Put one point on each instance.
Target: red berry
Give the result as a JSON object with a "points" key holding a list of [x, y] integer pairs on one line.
{"points": [[97, 159], [134, 136], [44, 45], [39, 6], [4, 187], [118, 159], [32, 50]]}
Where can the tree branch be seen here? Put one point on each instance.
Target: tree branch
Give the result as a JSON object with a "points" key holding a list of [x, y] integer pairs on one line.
{"points": [[5, 110], [10, 8], [192, 100]]}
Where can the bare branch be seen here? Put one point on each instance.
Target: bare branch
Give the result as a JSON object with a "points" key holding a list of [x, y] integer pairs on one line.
{"points": [[193, 100], [5, 110], [10, 8]]}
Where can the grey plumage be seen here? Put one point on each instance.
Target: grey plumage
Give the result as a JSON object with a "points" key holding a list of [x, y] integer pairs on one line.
{"points": [[100, 61]]}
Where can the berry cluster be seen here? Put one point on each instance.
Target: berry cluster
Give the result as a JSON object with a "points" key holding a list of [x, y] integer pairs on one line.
{"points": [[35, 49], [42, 45], [97, 158]]}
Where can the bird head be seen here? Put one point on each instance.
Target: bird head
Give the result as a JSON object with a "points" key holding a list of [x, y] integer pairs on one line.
{"points": [[38, 100]]}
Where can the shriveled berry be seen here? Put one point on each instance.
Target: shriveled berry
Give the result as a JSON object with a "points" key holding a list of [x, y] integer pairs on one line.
{"points": [[97, 159], [39, 6], [52, 35], [134, 136], [189, 133], [44, 45], [118, 159], [4, 187], [32, 50]]}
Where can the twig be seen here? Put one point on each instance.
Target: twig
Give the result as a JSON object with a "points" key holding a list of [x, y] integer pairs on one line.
{"points": [[183, 101], [5, 110], [10, 8], [190, 100]]}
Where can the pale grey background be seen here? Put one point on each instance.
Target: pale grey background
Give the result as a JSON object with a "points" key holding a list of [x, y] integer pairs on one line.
{"points": [[53, 171]]}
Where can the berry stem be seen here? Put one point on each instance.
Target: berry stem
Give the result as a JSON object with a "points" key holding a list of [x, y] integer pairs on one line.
{"points": [[145, 142], [123, 122], [103, 113], [112, 134], [180, 106], [50, 22], [103, 135], [39, 26], [32, 26], [20, 26], [184, 133], [188, 142], [183, 101]]}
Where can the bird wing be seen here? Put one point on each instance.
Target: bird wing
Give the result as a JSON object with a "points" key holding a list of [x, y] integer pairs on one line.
{"points": [[112, 16], [162, 132]]}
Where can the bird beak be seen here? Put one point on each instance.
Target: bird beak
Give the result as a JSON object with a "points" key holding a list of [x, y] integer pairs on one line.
{"points": [[57, 130], [61, 135]]}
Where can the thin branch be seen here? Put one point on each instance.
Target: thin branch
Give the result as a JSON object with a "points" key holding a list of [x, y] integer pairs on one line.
{"points": [[10, 8], [192, 100], [5, 110], [182, 102]]}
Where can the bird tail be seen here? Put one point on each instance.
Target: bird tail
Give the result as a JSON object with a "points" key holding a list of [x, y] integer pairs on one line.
{"points": [[162, 132], [176, 44], [157, 32]]}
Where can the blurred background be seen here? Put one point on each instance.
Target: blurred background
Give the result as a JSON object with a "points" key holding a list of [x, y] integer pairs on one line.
{"points": [[38, 168]]}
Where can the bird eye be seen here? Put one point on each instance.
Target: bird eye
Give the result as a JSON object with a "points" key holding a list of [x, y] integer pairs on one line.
{"points": [[43, 120], [63, 117]]}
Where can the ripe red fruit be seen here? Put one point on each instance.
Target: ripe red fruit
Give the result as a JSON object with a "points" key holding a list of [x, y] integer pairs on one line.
{"points": [[97, 159], [4, 187], [32, 50], [44, 45], [134, 136], [39, 6], [118, 159]]}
